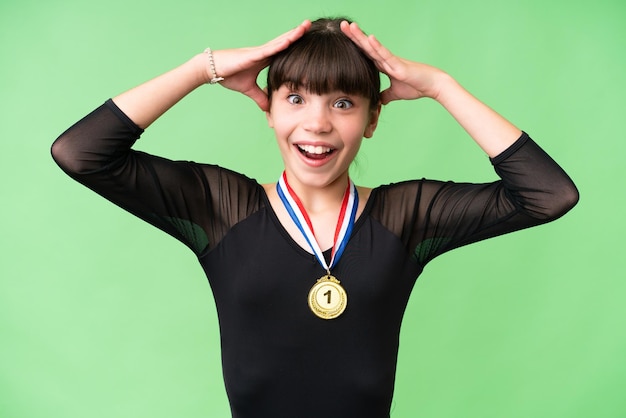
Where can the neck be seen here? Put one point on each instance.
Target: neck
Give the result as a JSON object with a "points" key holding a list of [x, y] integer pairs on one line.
{"points": [[318, 199]]}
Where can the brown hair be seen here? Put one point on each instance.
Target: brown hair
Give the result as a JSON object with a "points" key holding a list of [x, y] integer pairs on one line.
{"points": [[325, 60]]}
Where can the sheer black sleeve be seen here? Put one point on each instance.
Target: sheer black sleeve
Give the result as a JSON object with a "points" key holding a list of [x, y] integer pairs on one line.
{"points": [[432, 217], [195, 203]]}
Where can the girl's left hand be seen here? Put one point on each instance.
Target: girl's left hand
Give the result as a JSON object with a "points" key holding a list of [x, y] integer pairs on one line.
{"points": [[409, 80]]}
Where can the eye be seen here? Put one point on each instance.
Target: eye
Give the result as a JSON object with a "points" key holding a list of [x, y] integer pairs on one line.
{"points": [[295, 99], [343, 104]]}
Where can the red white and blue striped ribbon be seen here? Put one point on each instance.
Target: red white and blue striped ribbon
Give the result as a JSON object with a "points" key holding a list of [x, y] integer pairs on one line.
{"points": [[345, 222]]}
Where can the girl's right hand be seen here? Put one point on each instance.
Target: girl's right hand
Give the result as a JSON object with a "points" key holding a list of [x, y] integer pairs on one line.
{"points": [[241, 67]]}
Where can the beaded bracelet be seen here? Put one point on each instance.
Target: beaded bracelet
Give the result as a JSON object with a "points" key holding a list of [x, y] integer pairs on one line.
{"points": [[215, 78]]}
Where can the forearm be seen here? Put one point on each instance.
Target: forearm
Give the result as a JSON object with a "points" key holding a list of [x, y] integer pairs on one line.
{"points": [[492, 132], [148, 101]]}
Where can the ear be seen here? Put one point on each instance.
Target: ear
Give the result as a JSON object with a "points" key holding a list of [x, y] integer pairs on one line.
{"points": [[373, 121]]}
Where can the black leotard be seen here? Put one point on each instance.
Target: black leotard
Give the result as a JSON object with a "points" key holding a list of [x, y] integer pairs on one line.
{"points": [[279, 360]]}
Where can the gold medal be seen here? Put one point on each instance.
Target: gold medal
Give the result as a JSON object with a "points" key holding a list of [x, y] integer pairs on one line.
{"points": [[327, 298]]}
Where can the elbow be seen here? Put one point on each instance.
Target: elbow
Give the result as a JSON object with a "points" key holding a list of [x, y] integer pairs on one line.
{"points": [[61, 155], [564, 198], [67, 157], [56, 151]]}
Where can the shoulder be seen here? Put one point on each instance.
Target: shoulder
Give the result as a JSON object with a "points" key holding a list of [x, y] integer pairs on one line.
{"points": [[364, 197], [412, 189], [225, 177], [393, 191], [404, 197]]}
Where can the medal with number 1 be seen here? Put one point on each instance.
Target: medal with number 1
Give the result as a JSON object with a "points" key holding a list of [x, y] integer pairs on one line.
{"points": [[327, 298]]}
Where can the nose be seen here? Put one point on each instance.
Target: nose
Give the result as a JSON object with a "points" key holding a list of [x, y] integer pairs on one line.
{"points": [[317, 120]]}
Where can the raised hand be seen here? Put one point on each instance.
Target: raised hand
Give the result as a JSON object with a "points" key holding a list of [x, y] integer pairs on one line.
{"points": [[412, 80], [241, 67], [409, 80]]}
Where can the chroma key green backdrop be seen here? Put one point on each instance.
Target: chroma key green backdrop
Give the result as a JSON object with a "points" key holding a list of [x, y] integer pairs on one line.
{"points": [[102, 315]]}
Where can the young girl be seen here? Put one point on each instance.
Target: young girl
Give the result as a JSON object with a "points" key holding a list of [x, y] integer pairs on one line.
{"points": [[311, 275]]}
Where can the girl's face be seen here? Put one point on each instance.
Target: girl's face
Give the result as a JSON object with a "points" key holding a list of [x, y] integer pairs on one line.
{"points": [[319, 135]]}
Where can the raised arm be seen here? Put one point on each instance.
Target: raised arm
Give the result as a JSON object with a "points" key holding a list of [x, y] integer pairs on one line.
{"points": [[533, 188], [239, 68], [183, 199], [414, 80]]}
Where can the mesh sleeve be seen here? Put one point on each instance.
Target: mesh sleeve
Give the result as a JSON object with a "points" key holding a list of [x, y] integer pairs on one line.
{"points": [[195, 203], [432, 217]]}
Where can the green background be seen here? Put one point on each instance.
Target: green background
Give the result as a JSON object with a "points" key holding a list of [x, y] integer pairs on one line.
{"points": [[103, 316]]}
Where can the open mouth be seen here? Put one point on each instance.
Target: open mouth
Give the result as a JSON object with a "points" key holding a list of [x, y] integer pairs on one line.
{"points": [[315, 152]]}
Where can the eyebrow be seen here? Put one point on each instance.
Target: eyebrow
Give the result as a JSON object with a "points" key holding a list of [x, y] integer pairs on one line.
{"points": [[302, 89]]}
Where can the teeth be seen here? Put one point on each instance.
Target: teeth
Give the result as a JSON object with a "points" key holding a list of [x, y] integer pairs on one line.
{"points": [[311, 149]]}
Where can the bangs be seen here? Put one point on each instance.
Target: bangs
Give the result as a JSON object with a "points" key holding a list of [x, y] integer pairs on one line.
{"points": [[322, 61]]}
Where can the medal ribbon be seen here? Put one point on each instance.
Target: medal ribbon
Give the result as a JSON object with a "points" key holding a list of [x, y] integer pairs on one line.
{"points": [[345, 222]]}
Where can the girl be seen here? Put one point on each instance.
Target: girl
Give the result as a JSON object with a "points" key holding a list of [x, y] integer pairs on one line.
{"points": [[311, 275]]}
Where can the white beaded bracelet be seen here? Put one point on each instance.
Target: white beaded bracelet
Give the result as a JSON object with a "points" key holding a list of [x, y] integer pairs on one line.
{"points": [[215, 78]]}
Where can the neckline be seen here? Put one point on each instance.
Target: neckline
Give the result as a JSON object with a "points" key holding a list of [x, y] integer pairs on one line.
{"points": [[360, 219]]}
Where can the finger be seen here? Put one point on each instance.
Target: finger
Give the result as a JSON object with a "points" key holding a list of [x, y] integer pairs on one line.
{"points": [[352, 31], [387, 96], [373, 46], [283, 41], [369, 44], [259, 97], [384, 53], [262, 54], [298, 31]]}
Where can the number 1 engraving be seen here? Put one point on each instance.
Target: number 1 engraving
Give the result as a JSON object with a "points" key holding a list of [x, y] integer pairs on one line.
{"points": [[328, 294]]}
